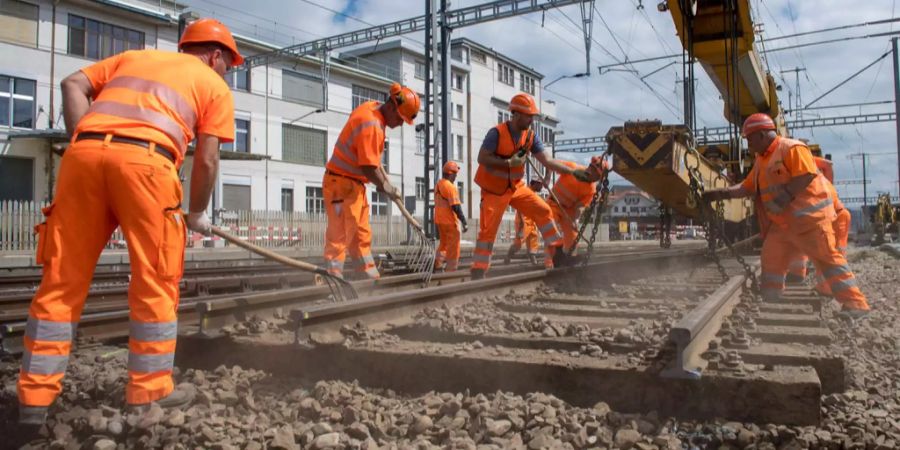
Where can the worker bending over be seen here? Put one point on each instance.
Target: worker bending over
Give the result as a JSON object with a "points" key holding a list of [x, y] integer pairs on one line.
{"points": [[501, 168], [571, 196], [130, 117], [798, 206], [526, 234], [356, 159], [798, 265], [447, 209]]}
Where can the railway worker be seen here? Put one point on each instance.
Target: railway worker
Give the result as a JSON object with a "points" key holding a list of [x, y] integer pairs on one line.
{"points": [[356, 160], [571, 196], [447, 209], [501, 168], [796, 201], [798, 265], [131, 117], [527, 234]]}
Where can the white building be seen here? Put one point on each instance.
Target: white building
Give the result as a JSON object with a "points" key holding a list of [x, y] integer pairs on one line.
{"points": [[282, 142]]}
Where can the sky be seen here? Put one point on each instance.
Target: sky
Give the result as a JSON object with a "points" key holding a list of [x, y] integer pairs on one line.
{"points": [[553, 44]]}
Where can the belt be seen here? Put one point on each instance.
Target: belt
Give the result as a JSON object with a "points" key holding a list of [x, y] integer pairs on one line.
{"points": [[328, 172], [128, 140]]}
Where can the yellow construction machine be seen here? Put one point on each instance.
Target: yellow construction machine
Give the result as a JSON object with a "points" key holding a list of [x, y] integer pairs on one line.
{"points": [[659, 158], [885, 217]]}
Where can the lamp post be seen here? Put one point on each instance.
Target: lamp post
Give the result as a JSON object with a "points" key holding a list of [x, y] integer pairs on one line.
{"points": [[306, 115], [577, 75]]}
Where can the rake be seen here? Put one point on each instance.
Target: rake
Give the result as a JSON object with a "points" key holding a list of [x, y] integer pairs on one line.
{"points": [[566, 216], [340, 289], [422, 260]]}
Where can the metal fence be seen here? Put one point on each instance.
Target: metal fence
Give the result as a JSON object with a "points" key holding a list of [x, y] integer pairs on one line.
{"points": [[265, 228]]}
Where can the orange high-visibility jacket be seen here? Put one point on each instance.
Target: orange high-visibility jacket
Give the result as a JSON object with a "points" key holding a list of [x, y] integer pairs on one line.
{"points": [[826, 167], [134, 98], [572, 193], [360, 143], [498, 180], [774, 168], [445, 197]]}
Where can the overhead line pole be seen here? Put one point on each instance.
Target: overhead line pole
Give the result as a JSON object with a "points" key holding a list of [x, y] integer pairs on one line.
{"points": [[896, 61]]}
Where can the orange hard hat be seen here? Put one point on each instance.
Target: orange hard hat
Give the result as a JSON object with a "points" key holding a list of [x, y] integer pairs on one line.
{"points": [[451, 167], [407, 102], [599, 163], [523, 103], [211, 30], [757, 122]]}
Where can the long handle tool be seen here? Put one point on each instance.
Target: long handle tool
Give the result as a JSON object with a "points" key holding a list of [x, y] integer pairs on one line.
{"points": [[422, 260]]}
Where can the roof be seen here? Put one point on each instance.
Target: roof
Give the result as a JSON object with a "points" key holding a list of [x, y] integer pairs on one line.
{"points": [[497, 55], [152, 13], [403, 46], [53, 135]]}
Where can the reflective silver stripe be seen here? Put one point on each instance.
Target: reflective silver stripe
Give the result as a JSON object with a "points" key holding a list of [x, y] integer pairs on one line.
{"points": [[150, 363], [47, 330], [153, 331], [161, 121], [773, 278], [797, 263], [812, 208], [165, 93], [551, 239], [367, 259], [482, 245], [477, 257], [513, 175], [516, 175], [44, 364], [336, 160], [547, 228], [344, 146], [772, 206], [843, 285], [836, 270], [564, 195], [373, 273]]}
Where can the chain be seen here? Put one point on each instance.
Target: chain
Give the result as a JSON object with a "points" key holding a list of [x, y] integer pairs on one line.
{"points": [[714, 224], [593, 216], [665, 226]]}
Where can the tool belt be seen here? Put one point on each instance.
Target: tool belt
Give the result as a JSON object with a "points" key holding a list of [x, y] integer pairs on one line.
{"points": [[128, 140]]}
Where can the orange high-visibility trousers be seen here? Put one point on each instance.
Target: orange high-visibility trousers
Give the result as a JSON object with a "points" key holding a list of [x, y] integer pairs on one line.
{"points": [[797, 266], [564, 220], [103, 185], [348, 230], [819, 243], [526, 235], [524, 200], [841, 226], [448, 249]]}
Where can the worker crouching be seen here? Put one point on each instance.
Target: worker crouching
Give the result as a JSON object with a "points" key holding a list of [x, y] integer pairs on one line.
{"points": [[447, 209], [570, 196], [527, 234]]}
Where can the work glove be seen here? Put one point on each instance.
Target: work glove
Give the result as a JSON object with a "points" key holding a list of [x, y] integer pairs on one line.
{"points": [[199, 222], [582, 175], [517, 159], [392, 192], [465, 228]]}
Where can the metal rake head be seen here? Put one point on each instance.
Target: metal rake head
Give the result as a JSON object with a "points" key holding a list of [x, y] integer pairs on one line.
{"points": [[422, 258], [341, 289]]}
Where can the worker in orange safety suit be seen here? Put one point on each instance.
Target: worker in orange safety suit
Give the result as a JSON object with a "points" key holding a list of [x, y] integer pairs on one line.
{"points": [[527, 233], [570, 196], [800, 211], [501, 169], [130, 117], [447, 209], [356, 159], [798, 265]]}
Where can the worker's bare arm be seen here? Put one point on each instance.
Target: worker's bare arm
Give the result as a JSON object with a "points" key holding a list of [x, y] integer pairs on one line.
{"points": [[76, 92]]}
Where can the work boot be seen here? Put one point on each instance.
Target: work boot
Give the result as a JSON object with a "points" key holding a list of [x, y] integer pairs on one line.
{"points": [[852, 313], [532, 259], [182, 396], [560, 258], [477, 274], [32, 416]]}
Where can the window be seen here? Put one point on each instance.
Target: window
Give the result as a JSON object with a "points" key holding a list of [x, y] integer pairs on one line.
{"points": [[235, 197], [460, 149], [287, 199], [16, 178], [238, 79], [420, 188], [303, 145], [546, 134], [98, 40], [301, 88], [420, 142], [461, 187], [241, 137], [502, 116], [420, 70], [506, 74], [363, 94], [458, 112], [479, 57], [615, 209], [385, 156], [379, 204], [459, 80], [315, 200], [18, 22], [17, 102], [527, 84]]}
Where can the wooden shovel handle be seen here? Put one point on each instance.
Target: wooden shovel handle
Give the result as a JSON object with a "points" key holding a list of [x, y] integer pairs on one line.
{"points": [[266, 253], [409, 218]]}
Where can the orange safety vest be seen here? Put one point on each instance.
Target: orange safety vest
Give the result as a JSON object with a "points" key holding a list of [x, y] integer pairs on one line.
{"points": [[445, 196], [497, 180], [570, 192], [825, 167], [360, 143], [158, 96], [809, 206]]}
